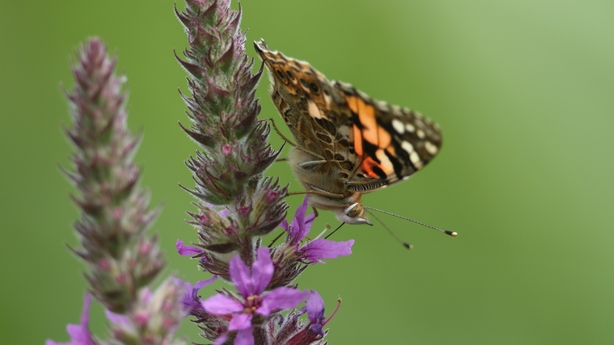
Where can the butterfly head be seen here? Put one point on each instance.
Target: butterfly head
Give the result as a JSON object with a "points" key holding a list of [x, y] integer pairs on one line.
{"points": [[353, 214]]}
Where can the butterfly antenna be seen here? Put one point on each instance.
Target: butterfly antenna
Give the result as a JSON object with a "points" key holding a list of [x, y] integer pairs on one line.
{"points": [[447, 232], [329, 235], [403, 243]]}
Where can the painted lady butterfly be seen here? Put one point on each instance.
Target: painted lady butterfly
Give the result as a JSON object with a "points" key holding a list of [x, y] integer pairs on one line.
{"points": [[347, 144]]}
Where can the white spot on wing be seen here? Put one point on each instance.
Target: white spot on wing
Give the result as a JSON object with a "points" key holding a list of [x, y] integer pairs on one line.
{"points": [[328, 99], [407, 146], [398, 126], [410, 128], [430, 148], [415, 159], [420, 134], [385, 162]]}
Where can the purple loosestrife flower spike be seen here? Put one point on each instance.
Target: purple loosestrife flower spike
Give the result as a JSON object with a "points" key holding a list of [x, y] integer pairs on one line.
{"points": [[253, 307], [296, 251], [79, 334], [120, 256], [233, 142], [235, 205]]}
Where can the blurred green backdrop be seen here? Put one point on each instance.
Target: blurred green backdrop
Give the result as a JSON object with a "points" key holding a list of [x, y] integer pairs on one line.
{"points": [[524, 92]]}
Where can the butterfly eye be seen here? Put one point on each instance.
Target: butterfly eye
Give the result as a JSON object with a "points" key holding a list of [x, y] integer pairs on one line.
{"points": [[314, 88]]}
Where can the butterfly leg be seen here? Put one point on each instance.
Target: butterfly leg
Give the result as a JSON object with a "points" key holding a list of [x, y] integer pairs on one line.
{"points": [[280, 133], [317, 192], [309, 165], [290, 141]]}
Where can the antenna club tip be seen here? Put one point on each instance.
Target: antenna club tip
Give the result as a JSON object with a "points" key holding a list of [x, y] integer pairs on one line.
{"points": [[451, 233], [408, 246]]}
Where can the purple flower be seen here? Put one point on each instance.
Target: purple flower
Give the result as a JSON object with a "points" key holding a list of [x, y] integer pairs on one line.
{"points": [[312, 332], [300, 226], [191, 301], [79, 334], [315, 312], [316, 249], [251, 286], [184, 250]]}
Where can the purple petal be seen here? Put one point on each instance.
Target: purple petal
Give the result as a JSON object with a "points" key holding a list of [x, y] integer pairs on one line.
{"points": [[326, 249], [315, 308], [79, 334], [117, 319], [244, 337], [300, 226], [241, 277], [262, 271], [240, 321], [191, 301], [316, 328], [281, 298], [221, 339], [299, 216], [284, 225], [202, 283], [221, 305], [184, 250], [303, 229], [85, 317], [145, 295]]}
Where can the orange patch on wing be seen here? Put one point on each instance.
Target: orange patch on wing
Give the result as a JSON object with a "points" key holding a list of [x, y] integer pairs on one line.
{"points": [[384, 138], [357, 141], [367, 167], [366, 116], [351, 101], [391, 150]]}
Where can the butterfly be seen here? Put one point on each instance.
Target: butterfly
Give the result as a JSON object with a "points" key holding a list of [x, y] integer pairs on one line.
{"points": [[347, 143]]}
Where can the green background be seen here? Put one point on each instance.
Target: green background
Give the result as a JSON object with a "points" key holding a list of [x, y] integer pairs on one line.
{"points": [[524, 93]]}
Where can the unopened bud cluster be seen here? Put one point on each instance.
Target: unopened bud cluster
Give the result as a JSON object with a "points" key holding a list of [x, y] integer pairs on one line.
{"points": [[234, 148]]}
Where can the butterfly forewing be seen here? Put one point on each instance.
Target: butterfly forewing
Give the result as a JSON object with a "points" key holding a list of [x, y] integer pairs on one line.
{"points": [[347, 143]]}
